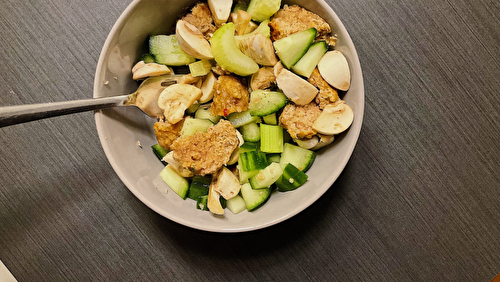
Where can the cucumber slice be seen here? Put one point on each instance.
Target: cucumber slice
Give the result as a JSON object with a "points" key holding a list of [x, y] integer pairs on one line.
{"points": [[227, 54], [271, 138], [270, 119], [192, 125], [203, 112], [263, 103], [291, 48], [249, 146], [310, 60], [262, 10], [167, 51], [266, 177], [148, 58], [273, 158], [200, 68], [245, 175], [177, 183], [291, 179], [250, 132], [199, 187], [160, 152], [236, 204], [241, 119], [301, 158], [254, 198], [201, 203], [253, 160], [193, 108]]}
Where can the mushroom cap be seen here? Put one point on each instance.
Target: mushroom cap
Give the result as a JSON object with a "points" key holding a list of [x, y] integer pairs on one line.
{"points": [[334, 119], [334, 68], [192, 41]]}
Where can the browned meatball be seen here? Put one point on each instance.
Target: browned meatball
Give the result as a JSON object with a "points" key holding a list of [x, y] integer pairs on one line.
{"points": [[206, 152], [166, 132], [298, 120]]}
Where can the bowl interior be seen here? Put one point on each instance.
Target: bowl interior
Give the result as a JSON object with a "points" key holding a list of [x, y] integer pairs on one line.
{"points": [[127, 134]]}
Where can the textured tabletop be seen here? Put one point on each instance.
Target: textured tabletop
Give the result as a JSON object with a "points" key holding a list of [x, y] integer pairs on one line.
{"points": [[418, 201]]}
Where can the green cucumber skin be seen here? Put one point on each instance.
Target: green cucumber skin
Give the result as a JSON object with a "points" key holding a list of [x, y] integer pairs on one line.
{"points": [[305, 66], [201, 203], [159, 152], [291, 179], [250, 132], [242, 118], [291, 48], [148, 58], [249, 146], [253, 160], [301, 158], [199, 187], [167, 51], [270, 119], [264, 103], [274, 157], [177, 183], [266, 177], [254, 198], [227, 54], [203, 112]]}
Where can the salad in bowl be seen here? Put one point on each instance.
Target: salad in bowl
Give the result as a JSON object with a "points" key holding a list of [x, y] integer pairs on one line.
{"points": [[258, 126]]}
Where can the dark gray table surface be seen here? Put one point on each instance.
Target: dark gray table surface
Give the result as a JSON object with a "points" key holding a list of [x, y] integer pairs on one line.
{"points": [[418, 201]]}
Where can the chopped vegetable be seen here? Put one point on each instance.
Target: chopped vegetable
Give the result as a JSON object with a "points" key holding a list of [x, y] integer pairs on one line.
{"points": [[167, 51], [228, 55]]}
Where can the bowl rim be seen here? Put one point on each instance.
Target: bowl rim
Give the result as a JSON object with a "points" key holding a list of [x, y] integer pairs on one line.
{"points": [[356, 127]]}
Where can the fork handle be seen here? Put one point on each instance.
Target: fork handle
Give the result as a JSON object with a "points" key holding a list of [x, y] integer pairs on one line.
{"points": [[10, 115]]}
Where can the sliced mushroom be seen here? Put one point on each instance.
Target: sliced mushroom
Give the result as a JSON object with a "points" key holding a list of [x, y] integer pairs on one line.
{"points": [[241, 20], [220, 10], [208, 88], [192, 40], [324, 140], [189, 79], [293, 86], [213, 202], [334, 68], [227, 184], [236, 153], [137, 66], [175, 99], [234, 156], [251, 27], [259, 48], [146, 96], [334, 119], [142, 70], [307, 143], [240, 138], [262, 79]]}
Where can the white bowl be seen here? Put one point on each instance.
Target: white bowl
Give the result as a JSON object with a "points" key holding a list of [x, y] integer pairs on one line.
{"points": [[127, 134]]}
